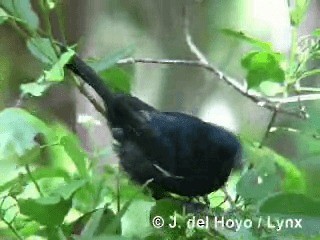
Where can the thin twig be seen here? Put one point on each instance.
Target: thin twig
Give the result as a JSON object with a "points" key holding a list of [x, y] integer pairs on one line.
{"points": [[266, 102], [12, 228], [228, 197], [293, 99], [2, 201], [132, 60], [9, 223], [19, 101], [92, 99], [270, 124], [235, 84], [189, 41], [33, 180], [231, 81], [118, 190]]}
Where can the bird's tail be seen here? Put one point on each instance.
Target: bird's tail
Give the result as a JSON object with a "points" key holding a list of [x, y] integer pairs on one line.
{"points": [[83, 70], [125, 107]]}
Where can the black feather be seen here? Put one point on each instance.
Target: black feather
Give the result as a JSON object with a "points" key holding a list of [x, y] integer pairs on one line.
{"points": [[181, 153]]}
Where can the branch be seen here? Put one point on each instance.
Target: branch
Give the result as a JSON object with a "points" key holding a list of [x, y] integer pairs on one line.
{"points": [[270, 103], [92, 99], [292, 99], [27, 167], [189, 41], [242, 89], [228, 197], [266, 102], [270, 125]]}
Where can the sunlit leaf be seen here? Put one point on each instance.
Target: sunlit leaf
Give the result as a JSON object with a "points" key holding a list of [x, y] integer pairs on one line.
{"points": [[21, 10], [136, 220], [49, 211], [73, 149], [117, 79], [37, 174], [35, 89], [166, 209], [251, 40], [271, 88], [56, 73], [19, 187], [93, 224], [3, 16], [51, 4], [111, 60], [262, 66], [316, 32], [42, 49], [28, 228], [298, 12], [294, 180], [67, 190], [18, 135], [102, 237], [98, 223]]}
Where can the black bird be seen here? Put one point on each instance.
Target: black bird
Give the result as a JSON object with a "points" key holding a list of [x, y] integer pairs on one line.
{"points": [[180, 153]]}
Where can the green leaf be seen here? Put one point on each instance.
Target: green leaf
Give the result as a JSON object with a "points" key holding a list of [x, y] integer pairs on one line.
{"points": [[271, 88], [35, 89], [291, 203], [136, 220], [288, 207], [49, 211], [18, 188], [21, 10], [271, 172], [111, 60], [262, 66], [244, 37], [294, 181], [266, 160], [42, 49], [51, 4], [242, 234], [166, 209], [115, 225], [56, 73], [93, 224], [117, 79], [103, 237], [37, 174], [255, 185], [3, 16], [99, 223], [77, 155], [299, 11], [54, 233], [316, 32], [67, 190], [29, 228], [18, 133]]}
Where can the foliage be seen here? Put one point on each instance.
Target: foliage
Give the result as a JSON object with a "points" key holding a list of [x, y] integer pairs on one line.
{"points": [[51, 188]]}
